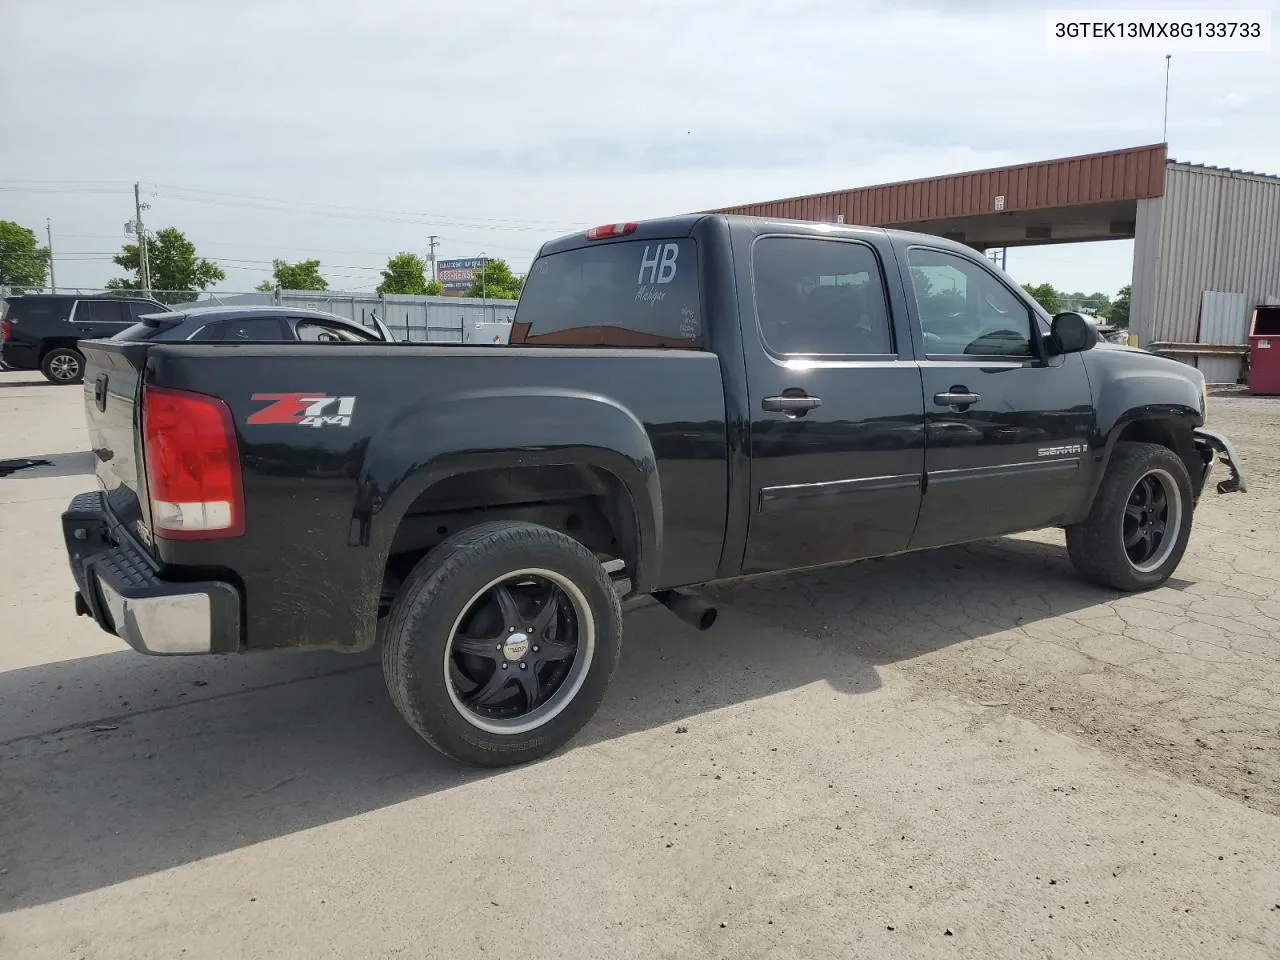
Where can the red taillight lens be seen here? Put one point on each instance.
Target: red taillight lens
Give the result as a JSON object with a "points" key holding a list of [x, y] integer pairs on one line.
{"points": [[6, 330], [193, 465], [611, 230]]}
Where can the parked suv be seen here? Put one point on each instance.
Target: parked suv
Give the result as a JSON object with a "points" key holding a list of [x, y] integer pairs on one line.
{"points": [[40, 331]]}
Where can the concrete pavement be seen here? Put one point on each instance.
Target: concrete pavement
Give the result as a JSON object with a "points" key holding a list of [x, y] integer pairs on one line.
{"points": [[966, 752]]}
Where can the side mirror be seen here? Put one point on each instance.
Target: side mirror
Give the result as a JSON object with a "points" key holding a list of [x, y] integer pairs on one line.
{"points": [[1072, 333]]}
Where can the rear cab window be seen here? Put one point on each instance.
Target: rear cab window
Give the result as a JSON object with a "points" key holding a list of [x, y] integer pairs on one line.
{"points": [[630, 293]]}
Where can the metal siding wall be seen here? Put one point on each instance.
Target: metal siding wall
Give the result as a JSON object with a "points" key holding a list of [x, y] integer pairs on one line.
{"points": [[1188, 235], [1146, 270], [1219, 369], [1224, 317]]}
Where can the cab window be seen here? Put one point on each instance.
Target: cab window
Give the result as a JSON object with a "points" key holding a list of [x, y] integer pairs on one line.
{"points": [[965, 311]]}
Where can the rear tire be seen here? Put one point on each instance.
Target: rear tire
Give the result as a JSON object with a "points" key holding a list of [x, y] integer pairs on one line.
{"points": [[501, 643], [63, 365], [1140, 522]]}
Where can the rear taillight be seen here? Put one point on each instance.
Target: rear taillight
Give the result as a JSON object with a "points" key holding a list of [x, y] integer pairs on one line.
{"points": [[6, 330], [193, 465], [611, 230]]}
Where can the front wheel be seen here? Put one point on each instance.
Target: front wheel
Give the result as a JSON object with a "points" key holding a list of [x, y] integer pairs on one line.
{"points": [[1140, 522], [501, 643], [63, 365]]}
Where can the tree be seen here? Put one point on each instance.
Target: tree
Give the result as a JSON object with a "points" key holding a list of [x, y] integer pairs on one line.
{"points": [[23, 262], [1045, 295], [177, 274], [1120, 307], [496, 282], [303, 275], [1082, 302], [407, 273]]}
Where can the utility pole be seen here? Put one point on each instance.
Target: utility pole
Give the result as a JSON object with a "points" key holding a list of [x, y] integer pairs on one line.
{"points": [[433, 241], [144, 266], [48, 232], [1164, 134]]}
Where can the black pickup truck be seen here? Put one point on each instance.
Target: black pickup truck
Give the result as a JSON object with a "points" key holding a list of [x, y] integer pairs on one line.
{"points": [[684, 401]]}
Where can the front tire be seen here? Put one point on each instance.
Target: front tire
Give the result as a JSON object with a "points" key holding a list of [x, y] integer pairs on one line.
{"points": [[1140, 522], [501, 643], [63, 365]]}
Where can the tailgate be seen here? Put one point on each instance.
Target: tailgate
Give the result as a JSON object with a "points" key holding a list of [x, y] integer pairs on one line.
{"points": [[112, 383]]}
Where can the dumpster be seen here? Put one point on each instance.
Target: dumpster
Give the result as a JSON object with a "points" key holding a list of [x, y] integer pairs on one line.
{"points": [[1264, 351]]}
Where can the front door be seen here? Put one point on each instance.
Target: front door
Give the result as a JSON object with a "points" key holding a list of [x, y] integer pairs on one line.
{"points": [[836, 434], [1007, 425]]}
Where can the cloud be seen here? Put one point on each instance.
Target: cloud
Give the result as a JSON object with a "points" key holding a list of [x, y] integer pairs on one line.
{"points": [[540, 116]]}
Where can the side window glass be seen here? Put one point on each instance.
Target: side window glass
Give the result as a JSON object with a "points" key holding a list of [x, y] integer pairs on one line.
{"points": [[823, 297], [101, 311], [312, 331], [137, 309], [965, 311], [251, 329], [210, 331]]}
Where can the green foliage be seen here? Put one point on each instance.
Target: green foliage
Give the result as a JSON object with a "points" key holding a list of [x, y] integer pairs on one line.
{"points": [[1045, 295], [24, 264], [496, 282], [1081, 302], [1120, 307], [303, 275], [177, 274], [435, 288], [404, 273]]}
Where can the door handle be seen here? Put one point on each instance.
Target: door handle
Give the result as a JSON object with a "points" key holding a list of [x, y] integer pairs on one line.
{"points": [[956, 397], [100, 391], [792, 406]]}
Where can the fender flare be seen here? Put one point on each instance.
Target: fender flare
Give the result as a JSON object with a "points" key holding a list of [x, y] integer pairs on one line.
{"points": [[519, 427], [1175, 415]]}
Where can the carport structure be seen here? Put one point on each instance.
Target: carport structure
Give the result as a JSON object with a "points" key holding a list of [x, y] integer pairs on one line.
{"points": [[1197, 230]]}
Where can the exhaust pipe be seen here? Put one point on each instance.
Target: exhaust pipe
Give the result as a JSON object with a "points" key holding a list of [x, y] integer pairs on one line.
{"points": [[692, 610]]}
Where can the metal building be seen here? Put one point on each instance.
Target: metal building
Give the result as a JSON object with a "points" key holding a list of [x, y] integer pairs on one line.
{"points": [[1205, 254], [1206, 240]]}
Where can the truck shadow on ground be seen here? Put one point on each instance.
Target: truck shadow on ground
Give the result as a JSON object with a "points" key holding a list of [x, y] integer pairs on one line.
{"points": [[44, 466], [118, 766], [26, 383]]}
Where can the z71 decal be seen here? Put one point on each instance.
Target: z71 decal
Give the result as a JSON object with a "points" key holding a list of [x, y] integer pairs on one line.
{"points": [[304, 410]]}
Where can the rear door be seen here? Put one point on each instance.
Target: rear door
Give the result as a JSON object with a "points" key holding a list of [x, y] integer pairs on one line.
{"points": [[837, 417], [100, 319], [1008, 426]]}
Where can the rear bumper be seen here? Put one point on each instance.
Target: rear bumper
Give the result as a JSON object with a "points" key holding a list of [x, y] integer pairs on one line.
{"points": [[1212, 444], [118, 584], [19, 356]]}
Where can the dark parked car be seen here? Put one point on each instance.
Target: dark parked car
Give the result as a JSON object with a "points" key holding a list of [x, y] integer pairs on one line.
{"points": [[40, 331], [253, 324], [684, 401]]}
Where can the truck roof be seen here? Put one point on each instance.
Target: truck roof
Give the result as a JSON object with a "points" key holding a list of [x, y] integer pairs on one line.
{"points": [[684, 224]]}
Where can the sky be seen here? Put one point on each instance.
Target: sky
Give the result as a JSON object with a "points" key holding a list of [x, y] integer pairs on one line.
{"points": [[350, 131]]}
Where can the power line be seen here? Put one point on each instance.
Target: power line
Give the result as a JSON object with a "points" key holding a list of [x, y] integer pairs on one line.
{"points": [[373, 211]]}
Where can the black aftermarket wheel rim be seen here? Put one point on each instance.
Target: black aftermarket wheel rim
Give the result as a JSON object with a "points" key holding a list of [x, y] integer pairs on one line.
{"points": [[1152, 519], [519, 652]]}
